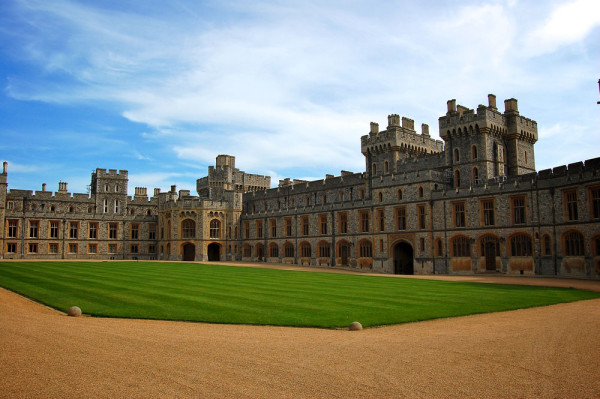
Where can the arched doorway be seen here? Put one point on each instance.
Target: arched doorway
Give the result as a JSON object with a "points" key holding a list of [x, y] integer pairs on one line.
{"points": [[214, 252], [189, 252], [344, 253], [403, 258]]}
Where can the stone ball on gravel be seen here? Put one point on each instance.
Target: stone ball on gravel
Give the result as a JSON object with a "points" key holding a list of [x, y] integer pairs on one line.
{"points": [[355, 326], [74, 311]]}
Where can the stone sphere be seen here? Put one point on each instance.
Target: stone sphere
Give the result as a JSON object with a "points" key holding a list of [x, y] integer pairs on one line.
{"points": [[74, 311], [355, 326]]}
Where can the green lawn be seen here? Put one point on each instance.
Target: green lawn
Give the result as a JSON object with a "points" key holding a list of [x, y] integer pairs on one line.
{"points": [[227, 294]]}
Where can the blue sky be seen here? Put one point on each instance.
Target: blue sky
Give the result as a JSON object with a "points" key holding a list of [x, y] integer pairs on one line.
{"points": [[160, 88]]}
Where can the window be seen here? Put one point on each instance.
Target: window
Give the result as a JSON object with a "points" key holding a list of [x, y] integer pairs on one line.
{"points": [[188, 228], [105, 206], [273, 227], [11, 248], [364, 221], [54, 229], [117, 206], [259, 228], [106, 187], [112, 248], [381, 219], [365, 249], [10, 205], [304, 225], [134, 248], [305, 250], [152, 248], [33, 248], [361, 193], [474, 152], [596, 246], [401, 218], [488, 212], [53, 248], [520, 245], [73, 227], [12, 228], [420, 192], [323, 199], [323, 223], [547, 248], [135, 231], [595, 194], [475, 176], [573, 243], [439, 247], [112, 230], [341, 196], [457, 178], [273, 251], [246, 251], [215, 228], [33, 228], [518, 205], [72, 248], [571, 201], [288, 250], [343, 223], [399, 194], [152, 231], [461, 246], [247, 230], [288, 227], [92, 248], [456, 155], [421, 212], [93, 230], [421, 244], [324, 249], [459, 214], [374, 169], [380, 195]]}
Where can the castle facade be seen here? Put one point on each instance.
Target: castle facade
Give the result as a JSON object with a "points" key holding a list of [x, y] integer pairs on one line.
{"points": [[472, 203]]}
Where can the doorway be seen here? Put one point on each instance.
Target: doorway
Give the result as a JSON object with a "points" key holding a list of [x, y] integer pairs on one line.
{"points": [[189, 252], [403, 258], [214, 252]]}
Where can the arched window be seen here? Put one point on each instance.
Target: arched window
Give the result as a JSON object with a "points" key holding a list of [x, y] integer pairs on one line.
{"points": [[399, 194], [596, 245], [573, 243], [380, 197], [374, 169], [305, 250], [520, 245], [215, 228], [324, 249], [456, 155], [474, 152], [365, 249], [324, 199], [188, 228], [439, 249], [475, 176], [386, 167], [246, 251], [461, 247], [273, 250], [420, 192], [457, 178], [288, 250]]}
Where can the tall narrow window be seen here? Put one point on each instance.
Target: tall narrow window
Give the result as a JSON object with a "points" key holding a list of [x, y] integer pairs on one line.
{"points": [[364, 221], [152, 231], [518, 210], [215, 228], [457, 178], [93, 230], [135, 231], [365, 249], [571, 200], [288, 227], [305, 250], [112, 230], [421, 211], [488, 212], [188, 228], [381, 219], [33, 228], [273, 223], [117, 206], [401, 218], [323, 222], [247, 230], [474, 152], [475, 176], [304, 225], [105, 206], [259, 228], [456, 155], [459, 214], [343, 223], [73, 227], [547, 247], [573, 243], [595, 202], [12, 228], [53, 229]]}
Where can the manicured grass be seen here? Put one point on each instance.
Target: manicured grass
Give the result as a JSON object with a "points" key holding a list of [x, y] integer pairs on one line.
{"points": [[227, 294]]}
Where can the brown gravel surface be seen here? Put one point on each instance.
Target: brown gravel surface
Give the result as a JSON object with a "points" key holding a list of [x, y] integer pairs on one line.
{"points": [[547, 352]]}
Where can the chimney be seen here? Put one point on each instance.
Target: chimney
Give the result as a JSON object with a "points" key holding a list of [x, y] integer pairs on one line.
{"points": [[43, 186], [451, 105], [425, 130], [173, 188], [374, 128], [4, 167], [62, 187], [492, 101], [408, 123], [510, 105], [156, 191]]}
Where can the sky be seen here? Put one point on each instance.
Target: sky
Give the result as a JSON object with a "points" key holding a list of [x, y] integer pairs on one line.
{"points": [[160, 88]]}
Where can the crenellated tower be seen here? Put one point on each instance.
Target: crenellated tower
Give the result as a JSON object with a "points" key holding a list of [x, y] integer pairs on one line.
{"points": [[109, 189], [486, 143]]}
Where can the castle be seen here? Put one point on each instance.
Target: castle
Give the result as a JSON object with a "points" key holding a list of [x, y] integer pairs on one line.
{"points": [[472, 203]]}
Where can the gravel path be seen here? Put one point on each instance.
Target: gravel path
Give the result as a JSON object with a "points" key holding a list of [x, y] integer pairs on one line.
{"points": [[547, 352]]}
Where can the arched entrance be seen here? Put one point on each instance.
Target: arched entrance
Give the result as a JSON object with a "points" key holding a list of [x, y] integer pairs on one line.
{"points": [[189, 252], [403, 258], [214, 252]]}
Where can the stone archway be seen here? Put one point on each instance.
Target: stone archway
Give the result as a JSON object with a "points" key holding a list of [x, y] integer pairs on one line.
{"points": [[214, 252], [189, 252], [403, 258]]}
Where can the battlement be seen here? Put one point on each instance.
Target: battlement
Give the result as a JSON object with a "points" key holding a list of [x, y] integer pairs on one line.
{"points": [[111, 173]]}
